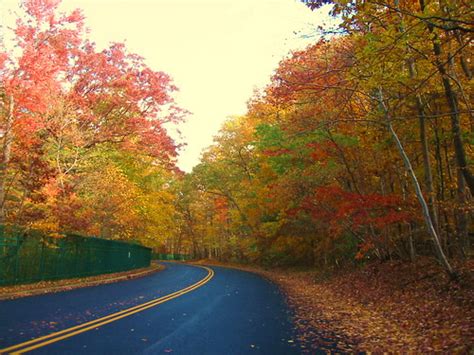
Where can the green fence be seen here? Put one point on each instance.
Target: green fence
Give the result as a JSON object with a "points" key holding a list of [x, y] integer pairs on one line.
{"points": [[180, 257], [28, 256]]}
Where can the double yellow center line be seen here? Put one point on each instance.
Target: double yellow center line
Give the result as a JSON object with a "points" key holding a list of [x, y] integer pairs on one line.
{"points": [[96, 323]]}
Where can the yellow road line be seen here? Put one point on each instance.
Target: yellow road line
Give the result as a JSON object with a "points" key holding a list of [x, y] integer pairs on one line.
{"points": [[81, 328]]}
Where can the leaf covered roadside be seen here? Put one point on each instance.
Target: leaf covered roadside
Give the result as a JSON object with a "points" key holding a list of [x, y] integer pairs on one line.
{"points": [[43, 287], [391, 306]]}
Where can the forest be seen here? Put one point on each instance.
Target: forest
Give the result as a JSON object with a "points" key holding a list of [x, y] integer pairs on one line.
{"points": [[360, 148]]}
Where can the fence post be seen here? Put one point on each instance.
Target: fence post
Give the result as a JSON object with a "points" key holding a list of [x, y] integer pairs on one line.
{"points": [[17, 258], [41, 260]]}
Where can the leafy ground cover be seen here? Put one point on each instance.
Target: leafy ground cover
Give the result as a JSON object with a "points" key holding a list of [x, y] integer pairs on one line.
{"points": [[391, 306], [38, 288]]}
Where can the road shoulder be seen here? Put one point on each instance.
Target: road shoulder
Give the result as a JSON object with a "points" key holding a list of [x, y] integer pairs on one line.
{"points": [[383, 307], [45, 287], [315, 332]]}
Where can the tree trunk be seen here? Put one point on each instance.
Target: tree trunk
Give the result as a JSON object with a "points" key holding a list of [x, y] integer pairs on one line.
{"points": [[411, 243], [428, 176], [464, 63], [424, 206], [462, 217], [452, 100], [6, 155], [425, 152], [439, 164]]}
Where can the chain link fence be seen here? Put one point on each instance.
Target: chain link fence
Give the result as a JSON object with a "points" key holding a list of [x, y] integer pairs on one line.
{"points": [[29, 256], [180, 257]]}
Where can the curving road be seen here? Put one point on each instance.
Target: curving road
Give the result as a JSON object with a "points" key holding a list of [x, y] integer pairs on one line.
{"points": [[182, 310]]}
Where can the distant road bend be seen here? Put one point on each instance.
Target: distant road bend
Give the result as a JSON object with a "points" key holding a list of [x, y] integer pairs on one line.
{"points": [[184, 309]]}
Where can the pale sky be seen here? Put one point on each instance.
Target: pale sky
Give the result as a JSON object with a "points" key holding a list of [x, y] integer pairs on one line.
{"points": [[216, 51]]}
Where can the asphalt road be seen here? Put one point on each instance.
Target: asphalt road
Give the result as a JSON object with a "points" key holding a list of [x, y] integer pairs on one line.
{"points": [[220, 311]]}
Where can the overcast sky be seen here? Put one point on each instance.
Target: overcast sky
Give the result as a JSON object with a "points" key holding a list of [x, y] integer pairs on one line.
{"points": [[216, 51]]}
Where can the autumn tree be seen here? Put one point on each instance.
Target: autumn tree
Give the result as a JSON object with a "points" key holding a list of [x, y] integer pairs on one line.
{"points": [[84, 148]]}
